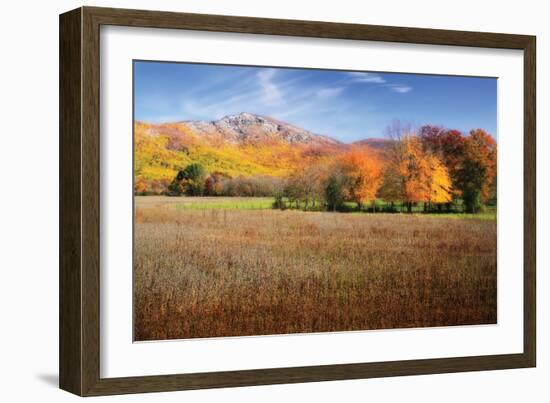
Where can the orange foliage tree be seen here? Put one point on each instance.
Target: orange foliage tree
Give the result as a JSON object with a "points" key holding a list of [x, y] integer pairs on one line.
{"points": [[415, 171], [477, 174], [363, 174]]}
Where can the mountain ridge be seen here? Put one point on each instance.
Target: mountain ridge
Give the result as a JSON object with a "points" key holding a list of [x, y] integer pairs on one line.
{"points": [[246, 127], [250, 128], [243, 144]]}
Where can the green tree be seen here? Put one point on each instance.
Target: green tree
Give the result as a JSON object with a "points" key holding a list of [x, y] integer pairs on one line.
{"points": [[334, 191], [175, 188], [189, 181]]}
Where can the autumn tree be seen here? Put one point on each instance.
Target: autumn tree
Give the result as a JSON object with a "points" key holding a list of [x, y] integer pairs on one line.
{"points": [[392, 188], [214, 183], [478, 171], [362, 171], [392, 184], [413, 175], [140, 186], [415, 171], [439, 181], [150, 187], [448, 145], [305, 185]]}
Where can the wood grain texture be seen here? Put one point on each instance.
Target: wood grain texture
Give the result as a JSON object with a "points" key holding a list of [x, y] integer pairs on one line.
{"points": [[315, 29], [80, 201], [530, 203], [70, 314], [90, 202]]}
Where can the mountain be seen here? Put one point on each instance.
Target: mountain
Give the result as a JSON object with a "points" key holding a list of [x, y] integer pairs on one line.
{"points": [[236, 145], [250, 128]]}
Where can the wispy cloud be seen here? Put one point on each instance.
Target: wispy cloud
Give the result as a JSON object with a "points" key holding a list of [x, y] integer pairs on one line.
{"points": [[267, 91], [360, 77], [401, 89], [270, 91], [329, 92], [346, 105], [373, 78]]}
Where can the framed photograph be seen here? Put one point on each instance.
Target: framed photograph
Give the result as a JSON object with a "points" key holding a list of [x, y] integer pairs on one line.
{"points": [[249, 201]]}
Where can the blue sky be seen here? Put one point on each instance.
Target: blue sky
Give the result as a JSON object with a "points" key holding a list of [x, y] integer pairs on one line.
{"points": [[348, 106]]}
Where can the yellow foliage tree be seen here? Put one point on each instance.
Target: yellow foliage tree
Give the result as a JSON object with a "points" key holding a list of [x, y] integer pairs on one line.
{"points": [[413, 175], [440, 183]]}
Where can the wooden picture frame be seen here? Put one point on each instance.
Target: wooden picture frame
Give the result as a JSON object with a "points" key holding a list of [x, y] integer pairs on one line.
{"points": [[79, 347]]}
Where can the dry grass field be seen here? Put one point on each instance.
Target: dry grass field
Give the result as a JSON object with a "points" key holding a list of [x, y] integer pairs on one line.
{"points": [[222, 271]]}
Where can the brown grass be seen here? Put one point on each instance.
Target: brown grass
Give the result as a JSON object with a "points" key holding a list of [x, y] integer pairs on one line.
{"points": [[233, 273]]}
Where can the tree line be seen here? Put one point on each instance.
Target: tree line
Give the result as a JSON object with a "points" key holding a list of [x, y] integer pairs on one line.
{"points": [[433, 167]]}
